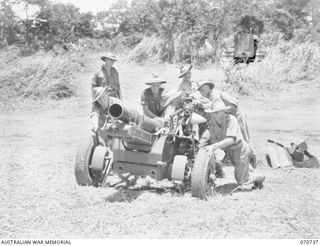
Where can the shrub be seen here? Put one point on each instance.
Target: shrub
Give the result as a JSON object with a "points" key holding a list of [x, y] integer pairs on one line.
{"points": [[40, 76], [147, 51], [287, 62], [123, 44]]}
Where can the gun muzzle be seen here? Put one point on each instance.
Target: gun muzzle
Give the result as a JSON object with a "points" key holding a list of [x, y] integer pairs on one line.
{"points": [[120, 112]]}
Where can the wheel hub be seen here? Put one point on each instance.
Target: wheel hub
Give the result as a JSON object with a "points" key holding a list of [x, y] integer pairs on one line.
{"points": [[98, 158]]}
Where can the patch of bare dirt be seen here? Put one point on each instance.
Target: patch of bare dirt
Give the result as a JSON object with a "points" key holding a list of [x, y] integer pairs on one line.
{"points": [[40, 197]]}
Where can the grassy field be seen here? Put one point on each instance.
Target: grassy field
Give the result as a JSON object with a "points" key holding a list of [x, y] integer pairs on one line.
{"points": [[40, 197]]}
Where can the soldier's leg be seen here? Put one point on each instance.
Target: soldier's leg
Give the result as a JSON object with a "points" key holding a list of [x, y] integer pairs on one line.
{"points": [[205, 140], [240, 159], [242, 120], [219, 171]]}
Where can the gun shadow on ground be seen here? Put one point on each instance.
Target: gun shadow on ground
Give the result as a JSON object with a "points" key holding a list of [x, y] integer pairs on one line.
{"points": [[128, 190]]}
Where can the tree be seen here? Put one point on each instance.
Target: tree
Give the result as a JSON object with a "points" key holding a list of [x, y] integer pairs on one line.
{"points": [[109, 21], [27, 22], [313, 19], [86, 25], [251, 22], [283, 21], [62, 23], [9, 27], [288, 15], [297, 9], [142, 17]]}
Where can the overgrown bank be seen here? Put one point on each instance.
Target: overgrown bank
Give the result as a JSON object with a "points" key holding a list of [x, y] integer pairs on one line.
{"points": [[40, 76], [48, 75], [286, 63]]}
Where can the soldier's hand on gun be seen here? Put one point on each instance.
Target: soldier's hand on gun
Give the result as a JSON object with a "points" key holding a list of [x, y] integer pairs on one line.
{"points": [[115, 126], [94, 128], [197, 104]]}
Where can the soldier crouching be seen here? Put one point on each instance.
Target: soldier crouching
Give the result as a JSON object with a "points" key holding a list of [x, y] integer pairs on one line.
{"points": [[100, 105], [224, 133]]}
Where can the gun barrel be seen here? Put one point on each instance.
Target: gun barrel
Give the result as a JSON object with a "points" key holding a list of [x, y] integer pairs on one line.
{"points": [[129, 133], [119, 111]]}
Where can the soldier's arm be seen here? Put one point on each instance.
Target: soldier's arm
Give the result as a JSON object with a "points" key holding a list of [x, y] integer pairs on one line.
{"points": [[94, 81], [118, 83], [180, 86], [232, 135], [95, 109], [228, 141], [147, 112], [205, 102], [95, 114], [167, 112]]}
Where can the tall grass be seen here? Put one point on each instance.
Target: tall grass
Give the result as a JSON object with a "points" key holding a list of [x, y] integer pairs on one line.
{"points": [[285, 63], [48, 75], [39, 76], [148, 51]]}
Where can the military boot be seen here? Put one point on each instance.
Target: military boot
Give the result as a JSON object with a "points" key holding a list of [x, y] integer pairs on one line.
{"points": [[253, 158], [219, 171], [258, 180]]}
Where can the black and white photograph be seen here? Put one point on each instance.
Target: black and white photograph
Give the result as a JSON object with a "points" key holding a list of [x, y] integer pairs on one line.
{"points": [[159, 119]]}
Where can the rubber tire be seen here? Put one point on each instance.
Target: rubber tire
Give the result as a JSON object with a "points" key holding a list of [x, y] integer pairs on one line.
{"points": [[82, 163], [201, 171], [179, 165]]}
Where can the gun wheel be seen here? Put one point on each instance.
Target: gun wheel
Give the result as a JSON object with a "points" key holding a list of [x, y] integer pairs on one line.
{"points": [[178, 167], [201, 176], [85, 175]]}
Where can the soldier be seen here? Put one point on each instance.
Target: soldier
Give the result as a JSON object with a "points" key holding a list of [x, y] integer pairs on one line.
{"points": [[100, 105], [152, 98], [206, 89], [108, 77], [186, 85], [224, 133], [173, 102]]}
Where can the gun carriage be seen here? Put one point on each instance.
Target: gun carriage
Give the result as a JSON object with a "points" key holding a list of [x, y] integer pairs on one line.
{"points": [[140, 145]]}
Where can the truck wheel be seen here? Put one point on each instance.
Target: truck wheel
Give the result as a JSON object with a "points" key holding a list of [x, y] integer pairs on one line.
{"points": [[203, 169], [84, 175]]}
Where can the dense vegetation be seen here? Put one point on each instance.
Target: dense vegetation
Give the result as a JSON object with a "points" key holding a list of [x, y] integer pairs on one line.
{"points": [[57, 41], [182, 26]]}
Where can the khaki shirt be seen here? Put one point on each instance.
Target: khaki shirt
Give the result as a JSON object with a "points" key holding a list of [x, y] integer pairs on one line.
{"points": [[153, 103], [229, 128], [103, 79]]}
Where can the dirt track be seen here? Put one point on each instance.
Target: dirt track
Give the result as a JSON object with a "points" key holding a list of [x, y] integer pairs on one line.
{"points": [[40, 197]]}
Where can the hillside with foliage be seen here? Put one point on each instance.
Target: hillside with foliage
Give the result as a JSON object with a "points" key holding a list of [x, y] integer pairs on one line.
{"points": [[182, 26], [55, 42]]}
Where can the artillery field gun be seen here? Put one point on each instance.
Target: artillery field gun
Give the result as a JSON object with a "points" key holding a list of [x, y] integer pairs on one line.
{"points": [[133, 143]]}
